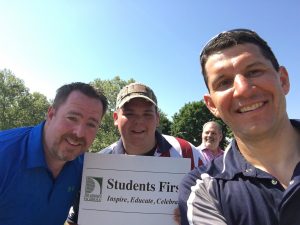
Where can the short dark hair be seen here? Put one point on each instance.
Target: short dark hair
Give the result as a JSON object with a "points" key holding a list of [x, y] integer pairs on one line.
{"points": [[232, 38], [64, 91]]}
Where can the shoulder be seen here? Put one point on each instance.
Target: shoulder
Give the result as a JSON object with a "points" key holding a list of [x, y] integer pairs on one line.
{"points": [[185, 149], [13, 141], [178, 143], [14, 134], [109, 149], [13, 147], [295, 123], [204, 173], [190, 178]]}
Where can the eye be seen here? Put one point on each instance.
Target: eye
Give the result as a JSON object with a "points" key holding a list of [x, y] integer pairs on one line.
{"points": [[149, 115], [254, 73], [223, 84], [72, 118], [92, 125], [128, 114]]}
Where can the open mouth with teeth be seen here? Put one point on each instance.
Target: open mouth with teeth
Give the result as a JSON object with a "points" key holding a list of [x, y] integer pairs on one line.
{"points": [[73, 142], [251, 107], [137, 132]]}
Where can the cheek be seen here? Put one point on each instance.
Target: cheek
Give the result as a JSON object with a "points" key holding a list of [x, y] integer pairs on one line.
{"points": [[222, 102], [91, 137]]}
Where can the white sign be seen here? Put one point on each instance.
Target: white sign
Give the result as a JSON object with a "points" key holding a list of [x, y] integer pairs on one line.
{"points": [[130, 190]]}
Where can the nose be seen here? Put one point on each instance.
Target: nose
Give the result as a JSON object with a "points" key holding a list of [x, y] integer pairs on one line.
{"points": [[79, 131], [242, 85], [138, 119]]}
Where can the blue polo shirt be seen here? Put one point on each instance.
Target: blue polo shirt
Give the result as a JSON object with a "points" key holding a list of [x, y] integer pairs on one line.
{"points": [[231, 191], [29, 195]]}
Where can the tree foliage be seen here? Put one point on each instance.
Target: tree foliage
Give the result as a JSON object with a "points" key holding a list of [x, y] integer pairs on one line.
{"points": [[164, 123], [188, 123], [17, 106], [111, 88], [108, 133]]}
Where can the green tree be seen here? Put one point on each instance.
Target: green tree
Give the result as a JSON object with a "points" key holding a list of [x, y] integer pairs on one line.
{"points": [[111, 88], [37, 108], [190, 119], [164, 123], [17, 106], [108, 133]]}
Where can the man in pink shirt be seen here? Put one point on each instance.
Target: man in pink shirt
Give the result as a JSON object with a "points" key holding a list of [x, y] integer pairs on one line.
{"points": [[211, 138]]}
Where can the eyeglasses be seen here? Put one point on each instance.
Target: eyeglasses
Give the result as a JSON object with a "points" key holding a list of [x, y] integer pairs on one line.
{"points": [[216, 37]]}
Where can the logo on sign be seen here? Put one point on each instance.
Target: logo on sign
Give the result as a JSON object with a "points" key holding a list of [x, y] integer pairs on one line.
{"points": [[93, 189]]}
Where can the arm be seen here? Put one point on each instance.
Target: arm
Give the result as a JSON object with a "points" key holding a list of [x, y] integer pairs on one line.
{"points": [[184, 192], [197, 203], [202, 205], [73, 213], [70, 223]]}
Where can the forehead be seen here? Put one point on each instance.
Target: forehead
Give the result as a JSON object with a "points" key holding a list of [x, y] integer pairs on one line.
{"points": [[238, 55], [211, 126], [85, 104], [138, 103]]}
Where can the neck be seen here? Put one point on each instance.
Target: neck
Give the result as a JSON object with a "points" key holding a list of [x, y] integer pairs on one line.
{"points": [[54, 165], [141, 149], [213, 150], [277, 154]]}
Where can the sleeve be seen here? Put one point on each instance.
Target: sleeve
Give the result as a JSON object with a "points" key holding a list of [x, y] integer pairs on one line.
{"points": [[184, 192], [202, 205], [74, 210]]}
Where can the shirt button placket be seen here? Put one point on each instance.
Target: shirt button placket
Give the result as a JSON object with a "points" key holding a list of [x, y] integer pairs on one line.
{"points": [[274, 182]]}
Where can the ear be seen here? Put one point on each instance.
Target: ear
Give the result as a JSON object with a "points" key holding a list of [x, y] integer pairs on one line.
{"points": [[211, 106], [221, 136], [115, 116], [157, 119], [50, 113], [284, 79]]}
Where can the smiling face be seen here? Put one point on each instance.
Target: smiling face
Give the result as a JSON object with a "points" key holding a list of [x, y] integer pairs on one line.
{"points": [[246, 92], [211, 136], [71, 128], [137, 121]]}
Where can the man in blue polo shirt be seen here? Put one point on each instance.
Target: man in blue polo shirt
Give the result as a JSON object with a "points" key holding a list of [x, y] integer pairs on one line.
{"points": [[257, 180], [41, 166]]}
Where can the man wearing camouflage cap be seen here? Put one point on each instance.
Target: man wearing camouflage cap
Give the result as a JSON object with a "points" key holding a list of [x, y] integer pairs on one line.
{"points": [[137, 118]]}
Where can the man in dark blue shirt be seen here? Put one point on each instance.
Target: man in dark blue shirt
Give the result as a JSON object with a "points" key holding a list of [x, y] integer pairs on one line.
{"points": [[257, 181], [41, 166]]}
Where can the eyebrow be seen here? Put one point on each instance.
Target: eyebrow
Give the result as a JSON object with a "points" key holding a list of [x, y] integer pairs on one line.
{"points": [[80, 115], [255, 64]]}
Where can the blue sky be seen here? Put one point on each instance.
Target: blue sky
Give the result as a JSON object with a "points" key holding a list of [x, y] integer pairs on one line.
{"points": [[157, 42]]}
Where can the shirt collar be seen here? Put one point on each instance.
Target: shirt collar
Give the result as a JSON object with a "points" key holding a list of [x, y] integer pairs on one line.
{"points": [[35, 147], [162, 145], [233, 163]]}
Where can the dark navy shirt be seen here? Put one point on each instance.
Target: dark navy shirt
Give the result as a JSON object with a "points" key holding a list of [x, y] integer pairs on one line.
{"points": [[29, 195], [231, 191]]}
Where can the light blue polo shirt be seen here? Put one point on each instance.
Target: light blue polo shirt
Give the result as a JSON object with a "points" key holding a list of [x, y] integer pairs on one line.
{"points": [[28, 193]]}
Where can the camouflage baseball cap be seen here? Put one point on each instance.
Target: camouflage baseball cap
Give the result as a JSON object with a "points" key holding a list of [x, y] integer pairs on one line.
{"points": [[135, 90]]}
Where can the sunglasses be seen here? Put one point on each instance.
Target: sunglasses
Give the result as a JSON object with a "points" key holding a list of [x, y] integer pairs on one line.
{"points": [[213, 40]]}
